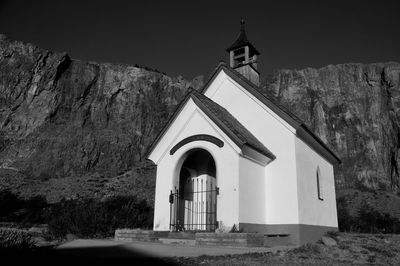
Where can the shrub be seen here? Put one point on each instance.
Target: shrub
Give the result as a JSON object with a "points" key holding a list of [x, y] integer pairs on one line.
{"points": [[83, 218], [9, 203], [235, 229], [25, 212], [91, 218], [15, 240], [370, 220], [332, 234], [345, 220], [33, 211]]}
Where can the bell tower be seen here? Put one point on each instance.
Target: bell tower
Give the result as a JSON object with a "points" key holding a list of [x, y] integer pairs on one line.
{"points": [[243, 57]]}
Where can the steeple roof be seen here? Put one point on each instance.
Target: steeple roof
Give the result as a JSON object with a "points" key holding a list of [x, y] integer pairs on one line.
{"points": [[242, 41]]}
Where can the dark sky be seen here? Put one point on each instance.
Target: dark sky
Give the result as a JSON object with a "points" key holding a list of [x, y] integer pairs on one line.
{"points": [[190, 37]]}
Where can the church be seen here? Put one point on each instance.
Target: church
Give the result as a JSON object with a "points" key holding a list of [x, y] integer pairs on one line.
{"points": [[232, 160]]}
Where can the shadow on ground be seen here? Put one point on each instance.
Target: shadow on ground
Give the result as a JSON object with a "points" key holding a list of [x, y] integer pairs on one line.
{"points": [[113, 255]]}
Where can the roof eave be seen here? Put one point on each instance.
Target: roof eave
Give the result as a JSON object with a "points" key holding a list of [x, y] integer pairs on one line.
{"points": [[253, 89], [241, 144], [301, 129], [219, 123], [254, 154], [317, 144], [202, 107]]}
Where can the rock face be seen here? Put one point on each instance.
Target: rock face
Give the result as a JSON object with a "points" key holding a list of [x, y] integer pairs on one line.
{"points": [[70, 128], [355, 109]]}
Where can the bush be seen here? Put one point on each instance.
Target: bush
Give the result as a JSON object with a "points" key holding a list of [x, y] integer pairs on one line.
{"points": [[368, 220], [91, 218], [345, 220], [33, 211], [25, 212], [332, 234], [9, 203], [83, 218], [15, 240]]}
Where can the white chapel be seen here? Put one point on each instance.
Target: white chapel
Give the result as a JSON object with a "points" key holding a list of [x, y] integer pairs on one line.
{"points": [[231, 159]]}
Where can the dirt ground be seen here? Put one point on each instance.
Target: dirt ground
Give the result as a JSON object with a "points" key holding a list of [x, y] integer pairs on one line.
{"points": [[346, 249], [335, 249]]}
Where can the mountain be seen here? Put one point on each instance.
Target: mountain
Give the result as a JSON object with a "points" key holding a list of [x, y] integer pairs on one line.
{"points": [[73, 129], [355, 109]]}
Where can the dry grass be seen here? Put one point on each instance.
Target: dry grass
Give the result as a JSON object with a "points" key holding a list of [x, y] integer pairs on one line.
{"points": [[359, 249]]}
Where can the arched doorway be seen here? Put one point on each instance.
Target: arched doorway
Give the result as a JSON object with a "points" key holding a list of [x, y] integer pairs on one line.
{"points": [[194, 201]]}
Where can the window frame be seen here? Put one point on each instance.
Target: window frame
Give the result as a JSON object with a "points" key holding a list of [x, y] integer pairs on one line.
{"points": [[319, 185]]}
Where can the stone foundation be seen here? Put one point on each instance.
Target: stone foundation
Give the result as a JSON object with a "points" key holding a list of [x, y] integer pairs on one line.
{"points": [[254, 235], [139, 235], [230, 239]]}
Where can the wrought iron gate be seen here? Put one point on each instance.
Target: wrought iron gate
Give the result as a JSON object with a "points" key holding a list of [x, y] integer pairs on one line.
{"points": [[193, 210]]}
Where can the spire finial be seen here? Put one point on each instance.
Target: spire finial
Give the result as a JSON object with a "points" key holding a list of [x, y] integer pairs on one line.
{"points": [[242, 23]]}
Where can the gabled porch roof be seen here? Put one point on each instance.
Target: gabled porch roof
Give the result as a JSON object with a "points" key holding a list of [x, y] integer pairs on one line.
{"points": [[302, 131], [224, 120]]}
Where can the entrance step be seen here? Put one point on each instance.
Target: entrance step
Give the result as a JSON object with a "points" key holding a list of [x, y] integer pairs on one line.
{"points": [[139, 235], [178, 241], [152, 236], [204, 239], [230, 239], [182, 235]]}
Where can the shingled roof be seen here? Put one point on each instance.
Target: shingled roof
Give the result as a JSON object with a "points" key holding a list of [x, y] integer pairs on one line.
{"points": [[281, 110], [302, 131], [236, 131], [229, 124], [223, 119]]}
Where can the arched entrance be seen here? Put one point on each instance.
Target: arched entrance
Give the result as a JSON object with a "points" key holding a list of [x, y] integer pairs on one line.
{"points": [[193, 204]]}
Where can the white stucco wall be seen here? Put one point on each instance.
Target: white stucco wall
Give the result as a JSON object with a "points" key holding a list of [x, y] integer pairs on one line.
{"points": [[252, 196], [311, 209], [282, 192], [277, 135], [193, 121]]}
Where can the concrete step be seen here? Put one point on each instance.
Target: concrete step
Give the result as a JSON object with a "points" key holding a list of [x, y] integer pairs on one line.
{"points": [[178, 241], [204, 239], [138, 235], [182, 235], [230, 239]]}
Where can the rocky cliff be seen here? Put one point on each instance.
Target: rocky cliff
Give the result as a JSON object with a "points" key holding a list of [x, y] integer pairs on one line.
{"points": [[355, 109], [76, 129], [80, 129]]}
